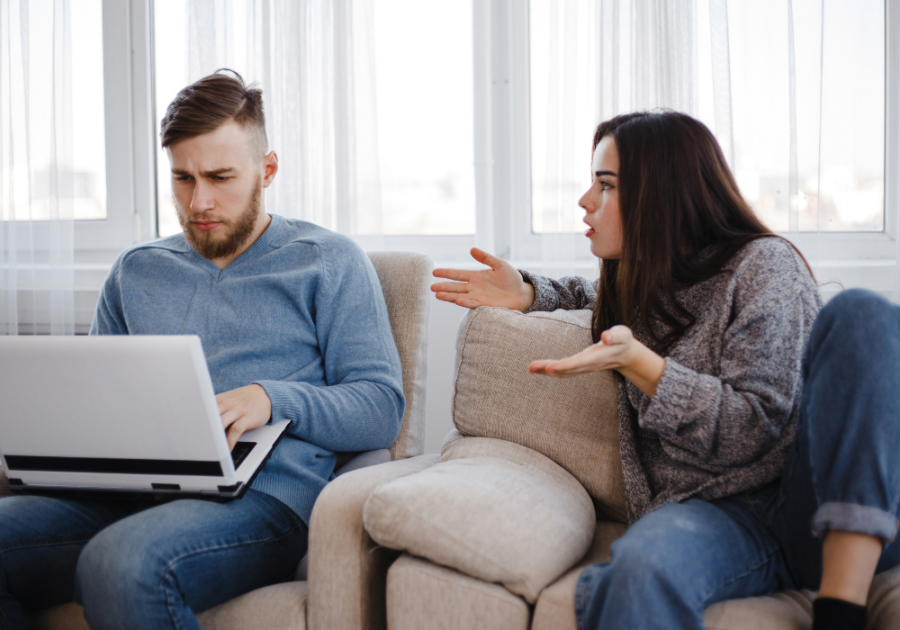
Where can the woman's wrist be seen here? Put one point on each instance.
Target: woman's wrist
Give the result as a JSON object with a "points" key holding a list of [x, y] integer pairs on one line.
{"points": [[527, 296], [645, 368]]}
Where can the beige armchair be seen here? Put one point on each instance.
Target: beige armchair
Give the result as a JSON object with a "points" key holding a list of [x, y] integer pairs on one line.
{"points": [[404, 280], [524, 494]]}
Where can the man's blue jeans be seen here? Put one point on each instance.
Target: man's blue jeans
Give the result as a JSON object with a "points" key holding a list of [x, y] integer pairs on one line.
{"points": [[141, 564], [843, 474]]}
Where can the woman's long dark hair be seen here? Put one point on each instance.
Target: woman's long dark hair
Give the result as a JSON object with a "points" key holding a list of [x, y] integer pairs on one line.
{"points": [[677, 197]]}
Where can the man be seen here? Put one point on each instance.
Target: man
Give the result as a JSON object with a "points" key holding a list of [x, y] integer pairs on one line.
{"points": [[294, 326]]}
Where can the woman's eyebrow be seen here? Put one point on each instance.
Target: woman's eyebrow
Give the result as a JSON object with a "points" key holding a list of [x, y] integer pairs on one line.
{"points": [[605, 173]]}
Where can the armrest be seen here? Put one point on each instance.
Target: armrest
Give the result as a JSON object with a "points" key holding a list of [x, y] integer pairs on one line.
{"points": [[347, 569]]}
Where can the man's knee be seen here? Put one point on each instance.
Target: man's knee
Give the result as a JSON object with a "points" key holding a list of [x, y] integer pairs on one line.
{"points": [[117, 566]]}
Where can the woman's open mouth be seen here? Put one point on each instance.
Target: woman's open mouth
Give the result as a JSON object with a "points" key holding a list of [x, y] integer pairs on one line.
{"points": [[589, 232]]}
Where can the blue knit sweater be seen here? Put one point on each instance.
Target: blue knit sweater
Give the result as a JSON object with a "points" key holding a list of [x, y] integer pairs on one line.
{"points": [[301, 313]]}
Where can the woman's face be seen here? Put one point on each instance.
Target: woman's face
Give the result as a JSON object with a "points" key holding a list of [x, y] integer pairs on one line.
{"points": [[601, 202]]}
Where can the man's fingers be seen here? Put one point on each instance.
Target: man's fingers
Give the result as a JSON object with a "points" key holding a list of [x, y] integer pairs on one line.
{"points": [[452, 274], [229, 417]]}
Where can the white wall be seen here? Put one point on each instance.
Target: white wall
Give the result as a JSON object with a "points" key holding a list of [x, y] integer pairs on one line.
{"points": [[444, 321]]}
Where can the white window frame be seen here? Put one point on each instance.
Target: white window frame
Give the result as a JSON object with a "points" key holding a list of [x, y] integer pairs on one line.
{"points": [[502, 165], [128, 107], [503, 158]]}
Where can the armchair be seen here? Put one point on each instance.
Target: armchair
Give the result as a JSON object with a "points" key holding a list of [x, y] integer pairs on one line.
{"points": [[404, 281], [466, 525]]}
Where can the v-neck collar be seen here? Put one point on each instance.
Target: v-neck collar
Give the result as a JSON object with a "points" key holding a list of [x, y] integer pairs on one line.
{"points": [[257, 249]]}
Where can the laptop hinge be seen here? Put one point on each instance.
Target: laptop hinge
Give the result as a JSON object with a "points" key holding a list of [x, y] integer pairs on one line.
{"points": [[14, 481], [233, 488], [166, 486]]}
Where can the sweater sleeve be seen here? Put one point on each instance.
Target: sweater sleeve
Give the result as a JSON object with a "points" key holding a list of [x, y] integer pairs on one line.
{"points": [[361, 406], [569, 293], [733, 418], [109, 318]]}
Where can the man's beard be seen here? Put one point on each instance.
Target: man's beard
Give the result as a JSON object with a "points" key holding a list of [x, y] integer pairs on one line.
{"points": [[207, 245]]}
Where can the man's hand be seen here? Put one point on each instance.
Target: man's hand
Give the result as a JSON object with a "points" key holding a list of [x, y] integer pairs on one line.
{"points": [[243, 409], [617, 350]]}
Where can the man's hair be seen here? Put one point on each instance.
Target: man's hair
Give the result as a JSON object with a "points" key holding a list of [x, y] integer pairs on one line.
{"points": [[209, 103]]}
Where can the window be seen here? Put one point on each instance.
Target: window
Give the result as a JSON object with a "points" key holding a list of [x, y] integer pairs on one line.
{"points": [[814, 163]]}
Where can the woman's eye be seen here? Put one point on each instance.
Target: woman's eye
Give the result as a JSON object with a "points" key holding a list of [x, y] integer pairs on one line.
{"points": [[604, 185]]}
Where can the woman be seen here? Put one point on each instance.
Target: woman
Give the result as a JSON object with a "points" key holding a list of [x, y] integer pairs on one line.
{"points": [[736, 484]]}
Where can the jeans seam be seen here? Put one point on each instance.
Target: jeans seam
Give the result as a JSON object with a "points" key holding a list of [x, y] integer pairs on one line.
{"points": [[169, 570], [707, 596], [45, 542]]}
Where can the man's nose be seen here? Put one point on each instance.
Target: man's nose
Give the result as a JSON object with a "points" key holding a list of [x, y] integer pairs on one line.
{"points": [[201, 200]]}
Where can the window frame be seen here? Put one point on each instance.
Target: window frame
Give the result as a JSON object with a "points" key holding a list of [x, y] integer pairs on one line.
{"points": [[130, 196], [502, 100], [502, 164]]}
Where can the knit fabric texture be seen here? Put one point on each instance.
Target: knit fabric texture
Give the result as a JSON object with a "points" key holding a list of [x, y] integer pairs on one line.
{"points": [[302, 314], [723, 416]]}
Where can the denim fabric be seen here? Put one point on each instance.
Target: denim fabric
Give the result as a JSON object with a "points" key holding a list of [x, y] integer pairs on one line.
{"points": [[141, 564], [842, 473]]}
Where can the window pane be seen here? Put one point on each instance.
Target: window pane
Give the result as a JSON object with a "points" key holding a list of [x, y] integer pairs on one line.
{"points": [[88, 133], [808, 142], [423, 56], [170, 74]]}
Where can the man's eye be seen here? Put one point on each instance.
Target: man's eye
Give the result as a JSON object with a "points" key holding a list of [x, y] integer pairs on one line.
{"points": [[183, 178], [220, 178]]}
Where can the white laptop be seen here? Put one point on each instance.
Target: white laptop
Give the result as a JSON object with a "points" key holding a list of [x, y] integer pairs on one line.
{"points": [[120, 414]]}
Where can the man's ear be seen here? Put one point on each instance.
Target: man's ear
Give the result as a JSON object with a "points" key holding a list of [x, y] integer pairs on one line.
{"points": [[270, 163]]}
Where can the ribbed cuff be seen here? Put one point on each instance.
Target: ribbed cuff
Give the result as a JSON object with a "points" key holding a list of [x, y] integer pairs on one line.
{"points": [[858, 519], [671, 399]]}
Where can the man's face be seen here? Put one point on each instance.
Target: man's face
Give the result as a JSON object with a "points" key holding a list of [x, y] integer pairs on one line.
{"points": [[217, 182]]}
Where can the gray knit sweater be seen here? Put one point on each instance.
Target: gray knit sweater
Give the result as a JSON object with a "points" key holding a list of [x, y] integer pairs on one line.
{"points": [[723, 416]]}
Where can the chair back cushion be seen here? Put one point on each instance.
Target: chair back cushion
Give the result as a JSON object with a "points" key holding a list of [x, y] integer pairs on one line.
{"points": [[404, 281], [573, 421]]}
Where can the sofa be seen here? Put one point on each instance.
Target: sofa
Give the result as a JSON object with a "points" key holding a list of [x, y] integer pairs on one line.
{"points": [[404, 278], [527, 490]]}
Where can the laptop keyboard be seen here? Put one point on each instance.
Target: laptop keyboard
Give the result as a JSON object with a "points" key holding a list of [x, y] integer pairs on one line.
{"points": [[240, 452]]}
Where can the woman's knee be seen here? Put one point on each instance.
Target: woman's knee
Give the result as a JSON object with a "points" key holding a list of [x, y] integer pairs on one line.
{"points": [[858, 311]]}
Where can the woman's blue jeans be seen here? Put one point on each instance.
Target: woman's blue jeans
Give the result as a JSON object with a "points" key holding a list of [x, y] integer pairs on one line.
{"points": [[843, 474], [141, 564]]}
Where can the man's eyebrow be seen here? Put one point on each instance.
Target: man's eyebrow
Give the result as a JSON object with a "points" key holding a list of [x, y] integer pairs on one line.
{"points": [[213, 173], [606, 173]]}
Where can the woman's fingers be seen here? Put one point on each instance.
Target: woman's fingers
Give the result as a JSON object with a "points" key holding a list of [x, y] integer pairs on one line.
{"points": [[484, 258], [616, 335], [450, 287], [446, 296], [452, 274]]}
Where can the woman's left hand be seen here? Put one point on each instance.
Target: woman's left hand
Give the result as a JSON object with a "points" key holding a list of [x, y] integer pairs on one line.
{"points": [[617, 350]]}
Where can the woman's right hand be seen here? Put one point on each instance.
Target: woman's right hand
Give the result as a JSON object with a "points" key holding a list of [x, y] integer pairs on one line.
{"points": [[501, 285]]}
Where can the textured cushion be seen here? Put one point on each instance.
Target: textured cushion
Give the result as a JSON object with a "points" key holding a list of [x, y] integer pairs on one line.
{"points": [[276, 607], [494, 510], [555, 609], [423, 595], [405, 278], [573, 421]]}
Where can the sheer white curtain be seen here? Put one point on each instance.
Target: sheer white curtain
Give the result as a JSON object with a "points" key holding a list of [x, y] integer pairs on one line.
{"points": [[36, 183], [794, 92], [314, 62]]}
